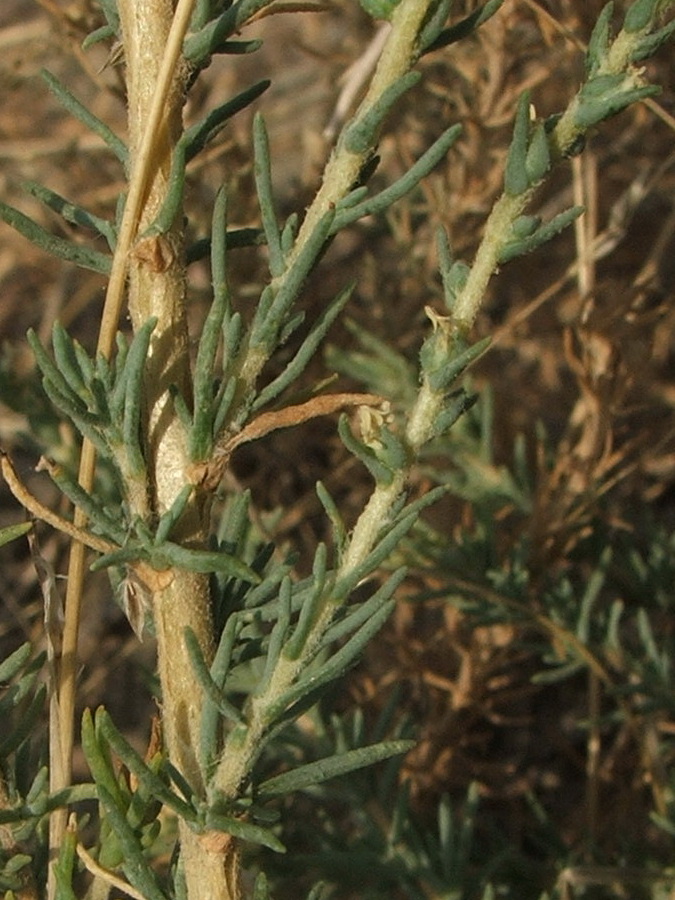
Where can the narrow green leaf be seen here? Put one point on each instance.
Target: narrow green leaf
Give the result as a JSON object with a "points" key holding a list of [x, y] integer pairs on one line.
{"points": [[193, 140], [380, 472], [544, 233], [210, 688], [65, 867], [50, 371], [290, 325], [70, 404], [361, 136], [432, 27], [267, 588], [19, 691], [133, 395], [319, 891], [111, 13], [54, 245], [72, 213], [560, 672], [90, 374], [387, 197], [233, 331], [358, 195], [15, 662], [200, 134], [135, 866], [77, 793], [38, 794], [650, 43], [118, 392], [394, 453], [612, 638], [594, 585], [516, 180], [333, 513], [445, 375], [220, 243], [264, 302], [311, 607], [464, 27], [11, 533], [112, 527], [525, 226], [104, 33], [245, 831], [277, 637], [25, 725], [593, 109], [332, 767], [234, 527], [307, 350], [81, 112], [445, 261], [205, 405], [639, 15], [211, 716], [213, 38], [224, 400], [263, 180], [203, 561], [454, 406], [131, 552], [334, 667], [86, 423], [598, 44], [172, 516], [24, 685], [538, 158], [98, 760], [355, 618], [377, 556], [180, 407], [446, 836], [468, 826], [155, 786], [201, 14], [261, 890], [289, 233], [269, 319]]}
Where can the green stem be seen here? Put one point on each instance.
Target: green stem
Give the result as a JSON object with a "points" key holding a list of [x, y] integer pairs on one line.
{"points": [[497, 228], [244, 741], [399, 54]]}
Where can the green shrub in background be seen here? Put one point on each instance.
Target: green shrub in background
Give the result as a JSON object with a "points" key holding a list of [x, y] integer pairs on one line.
{"points": [[247, 646]]}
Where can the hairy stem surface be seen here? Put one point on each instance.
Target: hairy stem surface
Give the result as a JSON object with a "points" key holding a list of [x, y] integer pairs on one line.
{"points": [[157, 288]]}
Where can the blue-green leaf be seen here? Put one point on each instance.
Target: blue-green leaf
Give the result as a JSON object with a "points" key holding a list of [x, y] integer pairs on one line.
{"points": [[331, 767]]}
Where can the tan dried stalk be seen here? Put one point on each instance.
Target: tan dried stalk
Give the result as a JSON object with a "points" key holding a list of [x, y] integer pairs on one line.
{"points": [[62, 705]]}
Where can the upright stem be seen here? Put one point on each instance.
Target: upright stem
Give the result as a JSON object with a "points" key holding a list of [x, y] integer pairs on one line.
{"points": [[157, 288], [398, 57]]}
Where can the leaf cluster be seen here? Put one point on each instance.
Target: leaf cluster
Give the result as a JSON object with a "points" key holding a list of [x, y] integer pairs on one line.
{"points": [[25, 799]]}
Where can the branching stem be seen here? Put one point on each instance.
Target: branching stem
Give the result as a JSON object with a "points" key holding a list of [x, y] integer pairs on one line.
{"points": [[342, 170]]}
